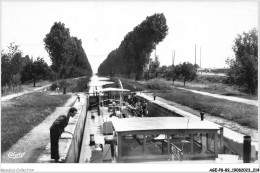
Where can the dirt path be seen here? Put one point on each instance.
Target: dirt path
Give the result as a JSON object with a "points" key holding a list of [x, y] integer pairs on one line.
{"points": [[236, 99], [8, 97], [34, 142]]}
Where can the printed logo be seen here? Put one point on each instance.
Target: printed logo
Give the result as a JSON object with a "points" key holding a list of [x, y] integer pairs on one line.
{"points": [[14, 155]]}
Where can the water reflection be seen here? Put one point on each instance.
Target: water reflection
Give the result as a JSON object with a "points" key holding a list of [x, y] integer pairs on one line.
{"points": [[97, 83]]}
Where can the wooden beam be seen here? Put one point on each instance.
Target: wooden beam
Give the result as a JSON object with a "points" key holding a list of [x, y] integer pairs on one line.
{"points": [[207, 140], [144, 145], [148, 157], [168, 145], [221, 139], [191, 143], [119, 145], [216, 142], [204, 142], [174, 131]]}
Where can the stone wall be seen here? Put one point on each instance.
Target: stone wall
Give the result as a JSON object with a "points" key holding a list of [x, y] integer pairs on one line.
{"points": [[157, 110]]}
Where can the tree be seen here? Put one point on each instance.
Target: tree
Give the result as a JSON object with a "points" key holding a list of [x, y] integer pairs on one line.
{"points": [[185, 71], [133, 53], [174, 72], [244, 67], [162, 71], [35, 71], [188, 72], [54, 43], [196, 66], [154, 65], [67, 54], [5, 68], [12, 64]]}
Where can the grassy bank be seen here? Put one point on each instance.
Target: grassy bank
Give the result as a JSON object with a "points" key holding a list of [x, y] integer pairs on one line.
{"points": [[243, 114], [6, 90], [215, 88], [20, 115], [72, 85]]}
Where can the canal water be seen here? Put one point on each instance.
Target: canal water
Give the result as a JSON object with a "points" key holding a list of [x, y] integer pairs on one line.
{"points": [[97, 82]]}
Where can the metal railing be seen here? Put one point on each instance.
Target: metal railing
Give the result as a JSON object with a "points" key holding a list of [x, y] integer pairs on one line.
{"points": [[176, 152]]}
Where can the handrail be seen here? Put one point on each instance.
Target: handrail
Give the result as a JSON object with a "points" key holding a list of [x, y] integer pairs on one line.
{"points": [[176, 152]]}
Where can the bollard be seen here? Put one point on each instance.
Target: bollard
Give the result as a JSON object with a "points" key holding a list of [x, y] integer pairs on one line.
{"points": [[92, 115], [64, 90], [154, 97], [92, 140], [98, 108], [247, 149], [201, 116]]}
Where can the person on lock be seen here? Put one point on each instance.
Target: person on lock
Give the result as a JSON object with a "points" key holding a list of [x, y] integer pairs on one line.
{"points": [[56, 129]]}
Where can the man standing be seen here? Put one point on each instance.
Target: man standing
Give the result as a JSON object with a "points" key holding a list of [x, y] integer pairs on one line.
{"points": [[57, 129], [144, 107]]}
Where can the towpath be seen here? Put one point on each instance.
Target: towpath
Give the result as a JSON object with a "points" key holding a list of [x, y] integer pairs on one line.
{"points": [[8, 97], [231, 98]]}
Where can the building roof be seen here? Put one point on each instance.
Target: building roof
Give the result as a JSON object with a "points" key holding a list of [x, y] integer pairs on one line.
{"points": [[162, 123]]}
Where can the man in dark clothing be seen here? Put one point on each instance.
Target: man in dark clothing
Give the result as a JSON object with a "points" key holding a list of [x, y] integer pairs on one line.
{"points": [[57, 129], [144, 107], [86, 86]]}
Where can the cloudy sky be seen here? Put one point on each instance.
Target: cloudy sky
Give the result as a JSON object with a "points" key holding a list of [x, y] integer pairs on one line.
{"points": [[102, 25]]}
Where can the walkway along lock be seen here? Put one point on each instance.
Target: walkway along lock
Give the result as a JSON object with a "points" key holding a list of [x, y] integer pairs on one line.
{"points": [[247, 149]]}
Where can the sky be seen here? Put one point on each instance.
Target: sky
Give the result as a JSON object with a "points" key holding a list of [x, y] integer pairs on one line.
{"points": [[102, 25]]}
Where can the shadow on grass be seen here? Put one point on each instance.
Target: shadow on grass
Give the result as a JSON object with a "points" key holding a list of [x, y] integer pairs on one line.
{"points": [[36, 153], [231, 94]]}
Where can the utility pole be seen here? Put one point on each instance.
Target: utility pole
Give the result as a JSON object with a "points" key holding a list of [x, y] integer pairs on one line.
{"points": [[195, 54], [200, 58], [173, 58]]}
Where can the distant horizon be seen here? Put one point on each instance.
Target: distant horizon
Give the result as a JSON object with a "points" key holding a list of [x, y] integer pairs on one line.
{"points": [[212, 26]]}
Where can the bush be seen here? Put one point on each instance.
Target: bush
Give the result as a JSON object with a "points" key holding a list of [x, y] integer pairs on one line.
{"points": [[80, 85], [5, 90], [53, 86], [72, 85], [211, 79]]}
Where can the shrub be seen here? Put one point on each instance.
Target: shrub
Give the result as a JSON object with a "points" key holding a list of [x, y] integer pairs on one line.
{"points": [[9, 89], [211, 79]]}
